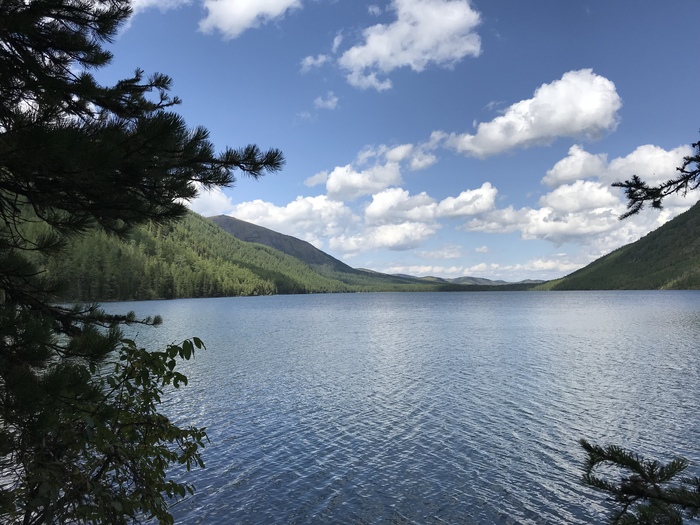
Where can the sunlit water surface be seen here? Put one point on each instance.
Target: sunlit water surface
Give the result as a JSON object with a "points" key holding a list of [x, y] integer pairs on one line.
{"points": [[458, 408]]}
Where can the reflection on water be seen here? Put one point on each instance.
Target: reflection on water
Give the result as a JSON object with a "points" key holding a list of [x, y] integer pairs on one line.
{"points": [[426, 408]]}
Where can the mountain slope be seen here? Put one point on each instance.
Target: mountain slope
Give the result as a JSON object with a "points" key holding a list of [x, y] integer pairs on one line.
{"points": [[194, 257], [306, 252], [667, 258]]}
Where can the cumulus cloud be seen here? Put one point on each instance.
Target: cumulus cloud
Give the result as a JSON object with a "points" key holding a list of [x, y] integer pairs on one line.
{"points": [[651, 163], [398, 237], [396, 205], [329, 102], [470, 202], [319, 178], [345, 183], [375, 169], [425, 32], [308, 218], [580, 104], [233, 17], [550, 224], [580, 196], [578, 165], [211, 202], [586, 212], [399, 153]]}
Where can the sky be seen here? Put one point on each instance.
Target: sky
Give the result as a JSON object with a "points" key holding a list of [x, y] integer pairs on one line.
{"points": [[436, 137]]}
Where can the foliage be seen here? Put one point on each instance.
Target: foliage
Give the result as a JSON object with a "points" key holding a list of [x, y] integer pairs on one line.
{"points": [[639, 192], [81, 438], [195, 258], [647, 491]]}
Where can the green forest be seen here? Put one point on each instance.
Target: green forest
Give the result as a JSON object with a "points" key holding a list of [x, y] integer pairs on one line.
{"points": [[193, 257]]}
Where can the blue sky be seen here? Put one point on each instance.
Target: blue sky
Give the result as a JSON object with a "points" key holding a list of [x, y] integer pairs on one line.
{"points": [[436, 137]]}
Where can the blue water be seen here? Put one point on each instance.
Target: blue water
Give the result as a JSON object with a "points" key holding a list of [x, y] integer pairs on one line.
{"points": [[458, 408]]}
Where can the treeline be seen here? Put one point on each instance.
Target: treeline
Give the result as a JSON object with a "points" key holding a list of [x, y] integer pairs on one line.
{"points": [[188, 258], [194, 257]]}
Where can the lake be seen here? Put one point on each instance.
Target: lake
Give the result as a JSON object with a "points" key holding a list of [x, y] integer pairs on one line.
{"points": [[457, 408]]}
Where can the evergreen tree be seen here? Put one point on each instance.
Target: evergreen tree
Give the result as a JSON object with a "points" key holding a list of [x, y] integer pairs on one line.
{"points": [[639, 192], [81, 438]]}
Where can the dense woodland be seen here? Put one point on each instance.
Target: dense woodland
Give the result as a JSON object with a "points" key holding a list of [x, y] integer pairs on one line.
{"points": [[193, 257], [188, 258]]}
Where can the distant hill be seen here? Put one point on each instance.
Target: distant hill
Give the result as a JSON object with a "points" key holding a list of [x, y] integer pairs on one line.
{"points": [[667, 258]]}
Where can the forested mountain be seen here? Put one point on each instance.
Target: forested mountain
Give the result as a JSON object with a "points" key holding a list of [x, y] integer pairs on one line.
{"points": [[667, 258], [194, 257]]}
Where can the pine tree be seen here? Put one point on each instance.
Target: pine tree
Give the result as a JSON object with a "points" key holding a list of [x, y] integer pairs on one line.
{"points": [[81, 438], [639, 192]]}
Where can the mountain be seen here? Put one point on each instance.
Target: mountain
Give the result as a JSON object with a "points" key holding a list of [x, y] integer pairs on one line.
{"points": [[246, 231], [302, 250], [194, 257], [667, 258]]}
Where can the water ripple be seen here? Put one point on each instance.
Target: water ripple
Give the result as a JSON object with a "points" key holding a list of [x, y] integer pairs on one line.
{"points": [[427, 408]]}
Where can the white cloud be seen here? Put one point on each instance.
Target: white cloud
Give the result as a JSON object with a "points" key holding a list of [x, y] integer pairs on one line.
{"points": [[425, 270], [425, 32], [580, 196], [580, 104], [470, 202], [330, 102], [233, 17], [399, 153], [422, 160], [320, 178], [376, 168], [540, 268], [651, 163], [403, 236], [308, 218], [374, 10], [482, 249], [578, 165], [586, 212], [345, 183], [396, 205], [141, 5], [211, 202], [310, 62]]}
